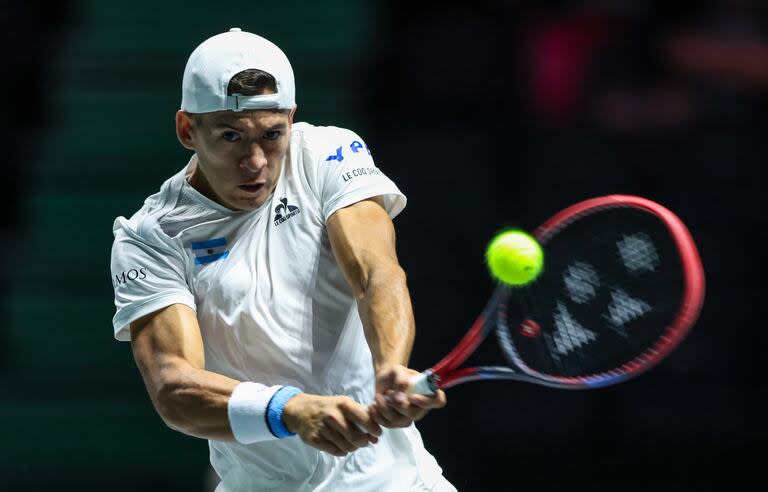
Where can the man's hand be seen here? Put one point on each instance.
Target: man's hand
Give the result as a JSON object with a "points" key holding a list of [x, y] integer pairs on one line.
{"points": [[335, 424], [394, 406]]}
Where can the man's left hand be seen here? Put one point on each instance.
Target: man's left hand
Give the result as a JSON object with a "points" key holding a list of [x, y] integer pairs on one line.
{"points": [[394, 405]]}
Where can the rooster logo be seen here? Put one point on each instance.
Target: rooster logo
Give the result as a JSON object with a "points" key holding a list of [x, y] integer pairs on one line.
{"points": [[283, 211]]}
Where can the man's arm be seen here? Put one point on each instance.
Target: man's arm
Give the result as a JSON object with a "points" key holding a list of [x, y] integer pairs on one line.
{"points": [[363, 240], [168, 349]]}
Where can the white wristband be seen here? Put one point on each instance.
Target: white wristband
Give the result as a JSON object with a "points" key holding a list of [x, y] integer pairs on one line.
{"points": [[247, 410]]}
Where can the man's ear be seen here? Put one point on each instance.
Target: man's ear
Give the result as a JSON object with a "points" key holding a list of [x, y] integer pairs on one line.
{"points": [[184, 126], [290, 116]]}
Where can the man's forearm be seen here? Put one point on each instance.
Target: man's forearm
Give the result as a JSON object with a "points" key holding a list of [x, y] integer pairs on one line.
{"points": [[195, 401], [387, 315]]}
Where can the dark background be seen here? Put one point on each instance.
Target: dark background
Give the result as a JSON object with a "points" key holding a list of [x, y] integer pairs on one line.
{"points": [[486, 115]]}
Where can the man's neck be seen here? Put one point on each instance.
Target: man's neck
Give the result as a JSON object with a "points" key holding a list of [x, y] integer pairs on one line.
{"points": [[197, 180]]}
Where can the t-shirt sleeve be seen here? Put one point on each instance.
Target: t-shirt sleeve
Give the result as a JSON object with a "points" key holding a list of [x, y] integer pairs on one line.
{"points": [[146, 277], [346, 174]]}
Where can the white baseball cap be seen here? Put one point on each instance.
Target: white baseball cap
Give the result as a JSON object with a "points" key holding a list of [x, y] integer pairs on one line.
{"points": [[211, 66]]}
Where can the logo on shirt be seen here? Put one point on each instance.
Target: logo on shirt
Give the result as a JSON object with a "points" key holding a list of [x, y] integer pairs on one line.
{"points": [[129, 275], [361, 171], [208, 251], [283, 211], [355, 147]]}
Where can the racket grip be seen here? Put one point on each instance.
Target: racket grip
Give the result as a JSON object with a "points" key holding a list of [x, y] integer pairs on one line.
{"points": [[424, 383]]}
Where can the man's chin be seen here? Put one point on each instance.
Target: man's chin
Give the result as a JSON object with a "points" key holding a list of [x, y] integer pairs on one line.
{"points": [[247, 202]]}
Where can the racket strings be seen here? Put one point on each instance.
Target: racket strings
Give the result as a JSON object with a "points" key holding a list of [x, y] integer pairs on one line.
{"points": [[612, 285]]}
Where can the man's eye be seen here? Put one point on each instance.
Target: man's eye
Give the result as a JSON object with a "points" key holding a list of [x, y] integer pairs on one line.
{"points": [[273, 135], [230, 136]]}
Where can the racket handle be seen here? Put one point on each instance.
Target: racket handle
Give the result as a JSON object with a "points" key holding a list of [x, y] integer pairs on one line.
{"points": [[424, 383]]}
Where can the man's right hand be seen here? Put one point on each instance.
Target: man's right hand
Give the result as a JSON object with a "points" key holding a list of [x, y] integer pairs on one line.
{"points": [[335, 424]]}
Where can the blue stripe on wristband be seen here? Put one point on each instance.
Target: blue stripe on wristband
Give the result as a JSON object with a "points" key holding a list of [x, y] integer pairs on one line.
{"points": [[275, 411]]}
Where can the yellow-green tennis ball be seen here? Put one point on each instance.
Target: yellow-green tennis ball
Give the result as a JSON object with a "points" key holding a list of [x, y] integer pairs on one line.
{"points": [[514, 258]]}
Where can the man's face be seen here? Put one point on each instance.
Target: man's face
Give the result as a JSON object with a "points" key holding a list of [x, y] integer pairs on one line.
{"points": [[240, 154]]}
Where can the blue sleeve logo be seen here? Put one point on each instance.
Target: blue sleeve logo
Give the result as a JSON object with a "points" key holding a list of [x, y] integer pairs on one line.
{"points": [[355, 146]]}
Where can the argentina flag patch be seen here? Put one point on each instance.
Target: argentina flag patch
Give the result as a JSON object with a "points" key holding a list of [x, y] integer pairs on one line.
{"points": [[208, 251]]}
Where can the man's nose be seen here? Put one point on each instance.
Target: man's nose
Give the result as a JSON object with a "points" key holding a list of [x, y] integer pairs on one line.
{"points": [[255, 160]]}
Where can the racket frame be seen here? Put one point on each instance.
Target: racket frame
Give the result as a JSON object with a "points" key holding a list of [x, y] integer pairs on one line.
{"points": [[447, 372]]}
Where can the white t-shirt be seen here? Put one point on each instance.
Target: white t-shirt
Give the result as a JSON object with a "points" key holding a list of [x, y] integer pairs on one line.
{"points": [[273, 306]]}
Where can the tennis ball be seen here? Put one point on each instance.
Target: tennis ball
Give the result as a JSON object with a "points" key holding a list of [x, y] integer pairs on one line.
{"points": [[514, 257]]}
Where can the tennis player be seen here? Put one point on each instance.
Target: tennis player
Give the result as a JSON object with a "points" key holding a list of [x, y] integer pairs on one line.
{"points": [[262, 295]]}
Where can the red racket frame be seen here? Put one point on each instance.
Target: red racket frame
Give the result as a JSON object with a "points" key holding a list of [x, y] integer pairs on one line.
{"points": [[447, 372]]}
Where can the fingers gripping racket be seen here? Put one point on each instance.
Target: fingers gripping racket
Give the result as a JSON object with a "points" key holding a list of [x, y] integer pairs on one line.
{"points": [[621, 287]]}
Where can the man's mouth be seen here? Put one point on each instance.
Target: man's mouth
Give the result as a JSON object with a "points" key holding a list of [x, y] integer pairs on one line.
{"points": [[251, 188]]}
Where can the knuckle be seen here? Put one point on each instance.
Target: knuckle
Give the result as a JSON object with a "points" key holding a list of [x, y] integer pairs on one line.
{"points": [[347, 446], [359, 441], [347, 403]]}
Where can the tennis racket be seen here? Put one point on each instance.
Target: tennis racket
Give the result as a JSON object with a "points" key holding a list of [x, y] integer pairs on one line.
{"points": [[622, 286]]}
